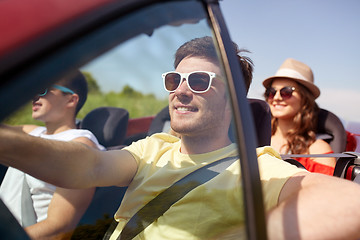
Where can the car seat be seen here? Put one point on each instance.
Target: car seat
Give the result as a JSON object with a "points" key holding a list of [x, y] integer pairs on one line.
{"points": [[331, 130], [108, 124], [261, 115], [262, 120], [161, 122]]}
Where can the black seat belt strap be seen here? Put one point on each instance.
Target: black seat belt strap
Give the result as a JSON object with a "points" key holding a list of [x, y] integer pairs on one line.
{"points": [[326, 155]]}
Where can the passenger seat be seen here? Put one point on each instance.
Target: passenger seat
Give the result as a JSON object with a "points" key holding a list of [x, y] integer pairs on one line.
{"points": [[109, 125], [331, 130]]}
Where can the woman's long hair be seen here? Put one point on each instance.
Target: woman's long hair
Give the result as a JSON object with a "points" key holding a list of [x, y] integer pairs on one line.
{"points": [[303, 134]]}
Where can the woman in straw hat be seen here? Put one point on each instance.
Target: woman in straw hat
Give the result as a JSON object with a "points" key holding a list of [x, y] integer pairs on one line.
{"points": [[291, 94]]}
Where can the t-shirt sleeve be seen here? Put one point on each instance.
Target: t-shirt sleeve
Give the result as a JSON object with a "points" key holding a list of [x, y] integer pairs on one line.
{"points": [[137, 149], [146, 150], [274, 172]]}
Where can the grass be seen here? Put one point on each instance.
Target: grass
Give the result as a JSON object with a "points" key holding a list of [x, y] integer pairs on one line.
{"points": [[137, 104]]}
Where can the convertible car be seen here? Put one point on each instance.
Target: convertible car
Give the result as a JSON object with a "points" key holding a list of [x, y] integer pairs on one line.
{"points": [[125, 45]]}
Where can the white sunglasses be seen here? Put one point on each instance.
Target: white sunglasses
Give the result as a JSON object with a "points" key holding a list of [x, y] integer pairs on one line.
{"points": [[198, 81]]}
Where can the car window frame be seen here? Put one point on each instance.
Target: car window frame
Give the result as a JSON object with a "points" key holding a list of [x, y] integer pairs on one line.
{"points": [[244, 128], [18, 75]]}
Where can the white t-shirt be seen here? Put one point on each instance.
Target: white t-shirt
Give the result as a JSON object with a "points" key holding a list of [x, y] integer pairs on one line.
{"points": [[41, 192]]}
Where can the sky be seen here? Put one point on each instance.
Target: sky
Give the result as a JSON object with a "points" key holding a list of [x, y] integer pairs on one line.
{"points": [[324, 34]]}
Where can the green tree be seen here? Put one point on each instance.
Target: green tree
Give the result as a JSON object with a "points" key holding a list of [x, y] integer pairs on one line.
{"points": [[130, 92], [93, 86]]}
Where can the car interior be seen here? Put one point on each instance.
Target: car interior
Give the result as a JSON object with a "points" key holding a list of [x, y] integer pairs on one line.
{"points": [[108, 124], [125, 33], [331, 130]]}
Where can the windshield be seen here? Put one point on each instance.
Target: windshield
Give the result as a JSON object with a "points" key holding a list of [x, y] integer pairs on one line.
{"points": [[125, 64]]}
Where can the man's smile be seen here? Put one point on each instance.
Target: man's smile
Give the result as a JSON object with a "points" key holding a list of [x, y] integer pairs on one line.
{"points": [[185, 109]]}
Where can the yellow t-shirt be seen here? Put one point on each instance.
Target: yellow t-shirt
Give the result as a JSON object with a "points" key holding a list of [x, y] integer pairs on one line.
{"points": [[207, 211]]}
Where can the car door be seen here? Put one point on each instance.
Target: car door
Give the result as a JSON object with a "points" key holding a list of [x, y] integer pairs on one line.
{"points": [[125, 46]]}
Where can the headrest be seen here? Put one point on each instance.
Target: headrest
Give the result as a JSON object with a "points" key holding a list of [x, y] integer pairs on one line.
{"points": [[161, 119], [262, 120], [331, 130], [108, 124]]}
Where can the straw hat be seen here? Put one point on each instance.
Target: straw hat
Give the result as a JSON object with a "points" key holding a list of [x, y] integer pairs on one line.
{"points": [[297, 71]]}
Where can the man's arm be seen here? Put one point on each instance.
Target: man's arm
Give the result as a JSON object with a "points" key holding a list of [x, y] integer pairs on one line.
{"points": [[24, 128], [316, 206], [65, 211], [65, 164]]}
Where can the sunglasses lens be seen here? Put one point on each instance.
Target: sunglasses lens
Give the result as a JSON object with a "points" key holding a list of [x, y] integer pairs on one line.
{"points": [[270, 93], [286, 92], [43, 93], [199, 81], [172, 81]]}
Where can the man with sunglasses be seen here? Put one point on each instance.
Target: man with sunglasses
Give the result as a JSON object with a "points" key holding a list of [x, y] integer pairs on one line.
{"points": [[38, 205], [201, 113]]}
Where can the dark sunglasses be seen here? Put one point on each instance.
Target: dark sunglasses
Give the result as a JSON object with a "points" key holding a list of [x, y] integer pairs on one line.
{"points": [[61, 88], [198, 82], [285, 92]]}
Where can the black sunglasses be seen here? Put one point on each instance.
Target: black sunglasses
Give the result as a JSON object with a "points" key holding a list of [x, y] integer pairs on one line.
{"points": [[198, 82], [285, 92]]}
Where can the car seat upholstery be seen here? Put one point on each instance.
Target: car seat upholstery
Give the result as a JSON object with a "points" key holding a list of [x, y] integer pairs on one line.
{"points": [[262, 120], [161, 122], [261, 115], [104, 204], [108, 124], [331, 130]]}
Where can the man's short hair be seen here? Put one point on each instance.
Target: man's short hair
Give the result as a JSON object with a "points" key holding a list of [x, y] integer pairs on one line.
{"points": [[77, 82], [246, 64], [204, 47], [198, 47]]}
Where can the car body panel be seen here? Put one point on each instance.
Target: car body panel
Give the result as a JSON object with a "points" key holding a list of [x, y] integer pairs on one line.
{"points": [[24, 21]]}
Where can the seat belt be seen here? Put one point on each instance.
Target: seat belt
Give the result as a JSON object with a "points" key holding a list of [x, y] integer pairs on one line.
{"points": [[343, 161], [28, 215], [162, 202], [326, 155]]}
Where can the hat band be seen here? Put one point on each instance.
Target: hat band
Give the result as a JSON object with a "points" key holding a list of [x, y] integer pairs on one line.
{"points": [[287, 72]]}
